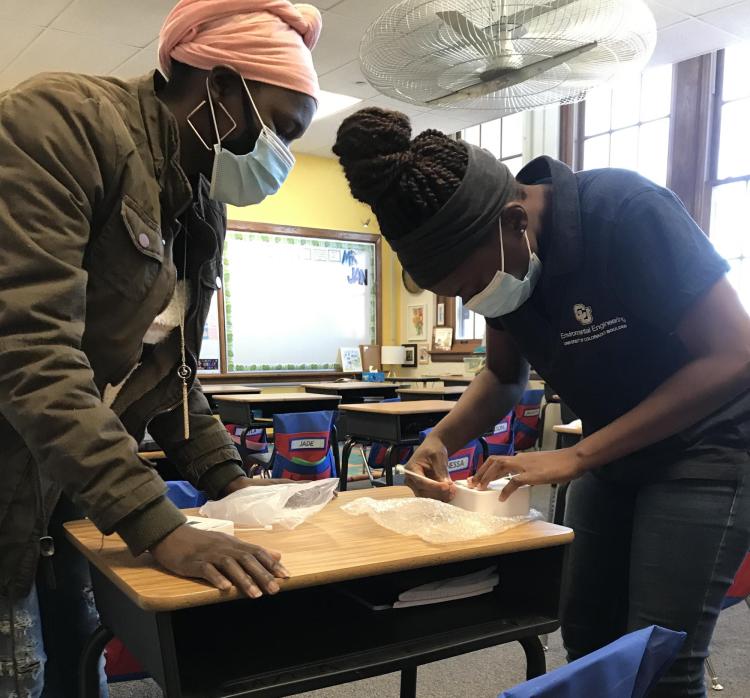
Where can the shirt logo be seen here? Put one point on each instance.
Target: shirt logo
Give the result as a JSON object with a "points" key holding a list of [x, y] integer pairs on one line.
{"points": [[583, 314]]}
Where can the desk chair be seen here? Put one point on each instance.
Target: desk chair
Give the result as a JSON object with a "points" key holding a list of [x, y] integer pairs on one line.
{"points": [[627, 668], [737, 593]]}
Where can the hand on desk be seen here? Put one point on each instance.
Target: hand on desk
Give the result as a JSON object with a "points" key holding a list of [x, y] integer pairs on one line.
{"points": [[532, 468], [431, 460], [221, 560]]}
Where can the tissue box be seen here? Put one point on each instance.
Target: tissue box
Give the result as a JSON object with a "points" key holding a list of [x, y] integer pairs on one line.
{"points": [[487, 502], [216, 525], [373, 376]]}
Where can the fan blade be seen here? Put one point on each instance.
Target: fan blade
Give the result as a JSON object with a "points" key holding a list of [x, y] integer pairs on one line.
{"points": [[510, 78], [463, 26], [522, 16]]}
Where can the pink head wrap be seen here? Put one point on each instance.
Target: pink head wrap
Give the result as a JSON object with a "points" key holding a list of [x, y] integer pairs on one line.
{"points": [[265, 40]]}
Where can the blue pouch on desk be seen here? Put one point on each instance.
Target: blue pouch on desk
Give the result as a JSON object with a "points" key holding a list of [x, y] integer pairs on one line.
{"points": [[303, 446], [184, 496], [464, 462], [628, 668]]}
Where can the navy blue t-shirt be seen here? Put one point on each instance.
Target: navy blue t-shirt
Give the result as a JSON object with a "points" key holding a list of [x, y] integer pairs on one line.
{"points": [[622, 261]]}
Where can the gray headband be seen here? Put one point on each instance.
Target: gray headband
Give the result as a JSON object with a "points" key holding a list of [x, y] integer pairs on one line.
{"points": [[431, 251]]}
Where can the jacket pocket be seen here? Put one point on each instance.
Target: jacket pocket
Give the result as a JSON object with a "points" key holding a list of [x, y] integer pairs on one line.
{"points": [[128, 252]]}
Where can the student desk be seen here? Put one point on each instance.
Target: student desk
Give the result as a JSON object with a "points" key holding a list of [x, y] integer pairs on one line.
{"points": [[444, 393], [242, 409], [198, 642], [394, 423], [210, 391], [450, 381], [416, 379], [353, 392]]}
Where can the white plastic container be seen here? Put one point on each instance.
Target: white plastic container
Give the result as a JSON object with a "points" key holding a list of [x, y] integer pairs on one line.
{"points": [[488, 502]]}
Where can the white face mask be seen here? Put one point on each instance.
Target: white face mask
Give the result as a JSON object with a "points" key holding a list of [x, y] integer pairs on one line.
{"points": [[505, 293], [243, 180]]}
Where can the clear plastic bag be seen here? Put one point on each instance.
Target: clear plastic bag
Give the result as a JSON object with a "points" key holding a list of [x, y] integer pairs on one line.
{"points": [[285, 505], [433, 521]]}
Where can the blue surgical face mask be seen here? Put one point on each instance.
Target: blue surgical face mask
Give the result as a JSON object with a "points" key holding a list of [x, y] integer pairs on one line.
{"points": [[505, 293], [243, 180]]}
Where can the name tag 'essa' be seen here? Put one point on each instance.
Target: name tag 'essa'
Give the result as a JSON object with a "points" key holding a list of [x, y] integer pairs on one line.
{"points": [[308, 444], [458, 464]]}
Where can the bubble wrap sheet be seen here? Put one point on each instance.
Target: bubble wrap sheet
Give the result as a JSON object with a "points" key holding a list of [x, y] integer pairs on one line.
{"points": [[433, 521]]}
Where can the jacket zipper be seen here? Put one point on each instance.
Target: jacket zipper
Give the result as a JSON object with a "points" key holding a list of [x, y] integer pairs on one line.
{"points": [[46, 541]]}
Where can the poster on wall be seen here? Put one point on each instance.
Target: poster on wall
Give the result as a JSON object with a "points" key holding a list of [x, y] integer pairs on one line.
{"points": [[416, 317], [423, 351], [440, 315], [351, 360]]}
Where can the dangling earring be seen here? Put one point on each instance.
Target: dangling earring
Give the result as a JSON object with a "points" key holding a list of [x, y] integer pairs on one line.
{"points": [[213, 118]]}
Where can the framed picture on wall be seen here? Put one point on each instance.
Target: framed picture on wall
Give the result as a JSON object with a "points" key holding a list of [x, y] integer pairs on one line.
{"points": [[440, 314], [442, 339], [416, 323], [423, 352], [411, 356]]}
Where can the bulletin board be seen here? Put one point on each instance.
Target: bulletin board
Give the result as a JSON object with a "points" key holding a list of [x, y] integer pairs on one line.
{"points": [[291, 298]]}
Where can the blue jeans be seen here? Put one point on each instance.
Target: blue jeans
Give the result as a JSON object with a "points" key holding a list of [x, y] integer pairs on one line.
{"points": [[661, 553], [42, 635]]}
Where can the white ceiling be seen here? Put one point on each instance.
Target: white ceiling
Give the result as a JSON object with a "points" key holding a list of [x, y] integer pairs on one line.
{"points": [[118, 37]]}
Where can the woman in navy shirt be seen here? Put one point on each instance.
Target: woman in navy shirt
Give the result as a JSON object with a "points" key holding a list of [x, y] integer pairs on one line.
{"points": [[602, 282]]}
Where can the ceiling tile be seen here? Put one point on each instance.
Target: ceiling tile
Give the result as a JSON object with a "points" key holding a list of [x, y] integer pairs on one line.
{"points": [[666, 16], [348, 80], [689, 39], [139, 63], [324, 4], [395, 105], [56, 50], [697, 7], [440, 120], [735, 19], [322, 134], [40, 12], [135, 22], [338, 45], [14, 38], [365, 13]]}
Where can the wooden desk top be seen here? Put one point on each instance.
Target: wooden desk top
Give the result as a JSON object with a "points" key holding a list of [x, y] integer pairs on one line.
{"points": [[410, 407], [445, 390], [229, 389], [276, 397], [152, 455], [575, 428], [332, 546], [463, 379], [348, 385]]}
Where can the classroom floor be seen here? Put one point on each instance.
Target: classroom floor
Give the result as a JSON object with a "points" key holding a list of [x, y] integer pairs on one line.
{"points": [[487, 673]]}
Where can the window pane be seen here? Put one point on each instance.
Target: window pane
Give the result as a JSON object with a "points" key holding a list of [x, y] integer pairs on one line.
{"points": [[626, 102], [596, 152], [739, 277], [624, 149], [472, 135], [491, 137], [653, 151], [514, 165], [734, 149], [512, 135], [598, 111], [730, 219], [656, 93], [736, 61], [464, 323]]}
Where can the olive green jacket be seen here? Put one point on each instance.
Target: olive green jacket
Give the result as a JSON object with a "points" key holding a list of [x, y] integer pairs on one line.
{"points": [[91, 199]]}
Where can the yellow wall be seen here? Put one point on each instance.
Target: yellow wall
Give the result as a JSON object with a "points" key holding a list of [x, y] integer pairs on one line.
{"points": [[316, 195]]}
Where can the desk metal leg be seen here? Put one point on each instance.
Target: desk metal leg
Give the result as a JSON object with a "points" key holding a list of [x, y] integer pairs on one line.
{"points": [[88, 665], [390, 455], [536, 664], [344, 466], [409, 682], [335, 448]]}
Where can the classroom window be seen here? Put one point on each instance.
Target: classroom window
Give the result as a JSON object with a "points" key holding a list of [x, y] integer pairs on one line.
{"points": [[504, 139], [730, 195], [627, 125]]}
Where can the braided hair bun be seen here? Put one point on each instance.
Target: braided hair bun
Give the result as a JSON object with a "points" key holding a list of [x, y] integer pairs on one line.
{"points": [[404, 181]]}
